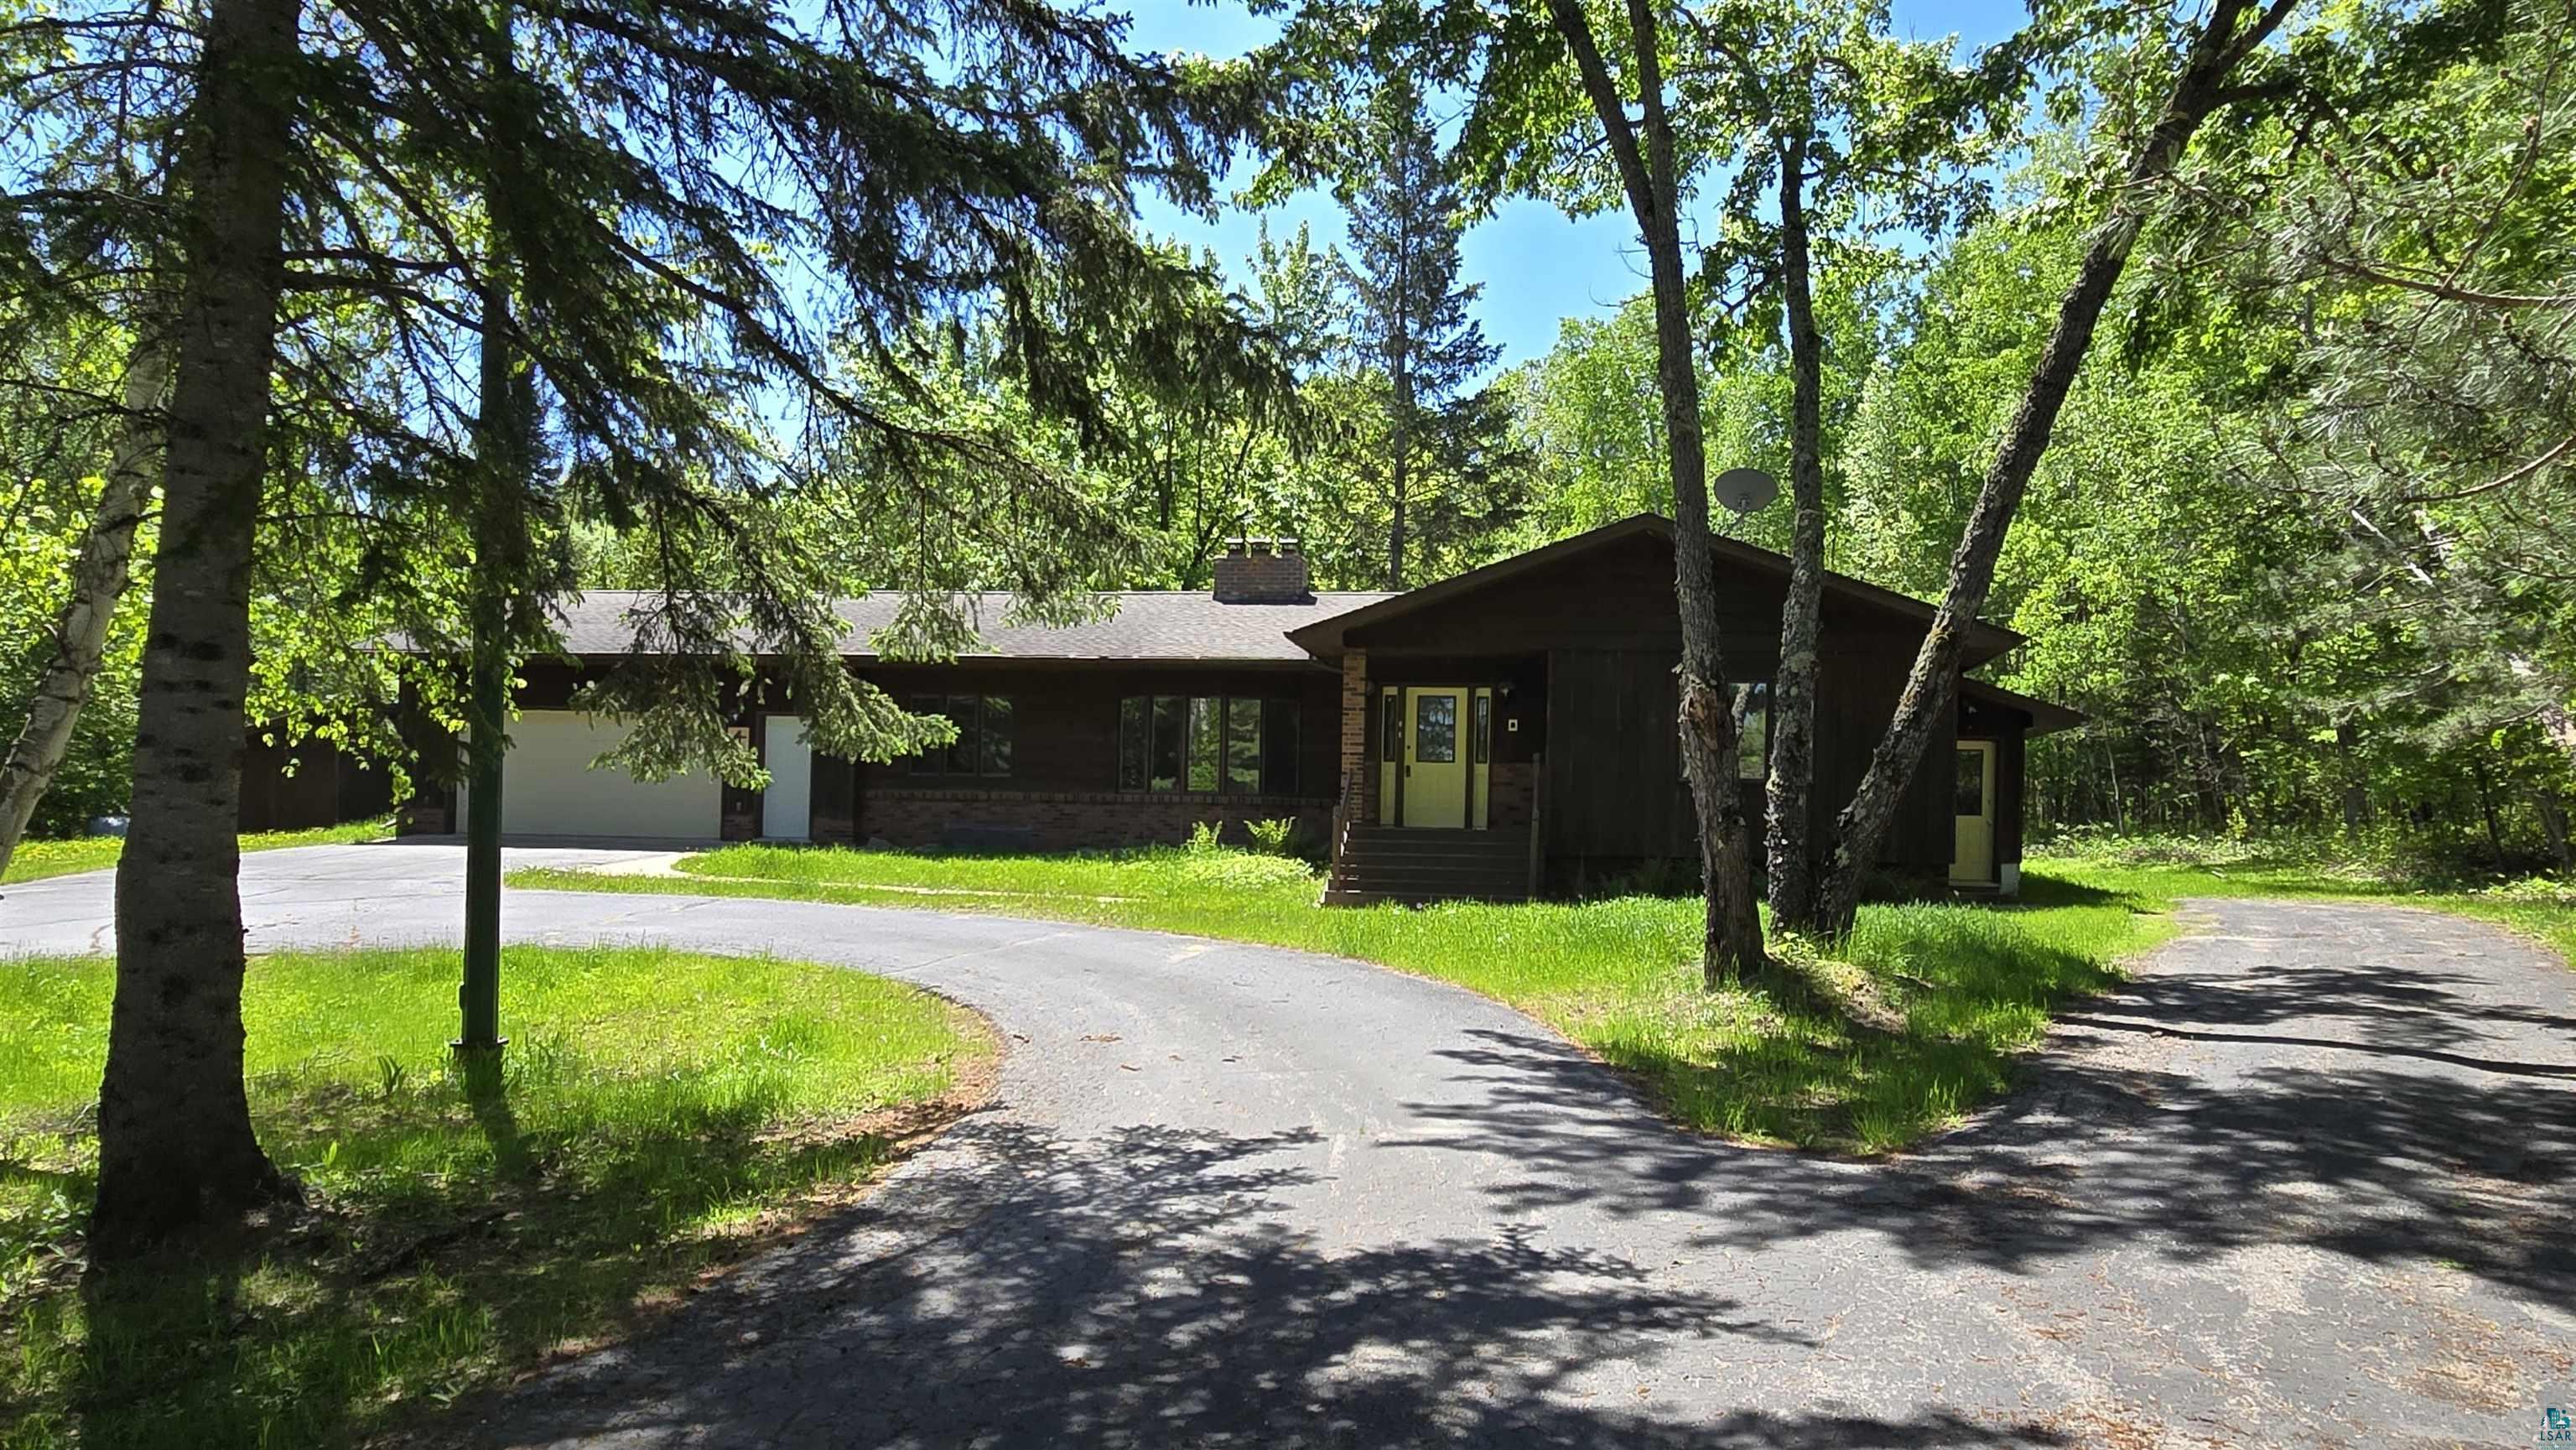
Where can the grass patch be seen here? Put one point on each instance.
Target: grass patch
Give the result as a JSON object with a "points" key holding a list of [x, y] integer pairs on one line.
{"points": [[34, 860], [660, 1113], [1953, 991]]}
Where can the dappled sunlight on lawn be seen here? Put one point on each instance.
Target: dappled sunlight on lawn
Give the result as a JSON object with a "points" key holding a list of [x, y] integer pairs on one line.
{"points": [[657, 1114]]}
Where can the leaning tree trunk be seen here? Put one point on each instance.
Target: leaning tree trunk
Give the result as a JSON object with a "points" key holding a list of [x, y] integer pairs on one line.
{"points": [[1731, 944], [1791, 790], [1931, 690], [175, 1146], [99, 577]]}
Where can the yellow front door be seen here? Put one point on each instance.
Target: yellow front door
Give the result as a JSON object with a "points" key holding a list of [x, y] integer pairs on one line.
{"points": [[1435, 756], [1972, 811]]}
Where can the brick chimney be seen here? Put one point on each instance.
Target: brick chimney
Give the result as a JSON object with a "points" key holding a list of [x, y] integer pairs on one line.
{"points": [[1259, 571]]}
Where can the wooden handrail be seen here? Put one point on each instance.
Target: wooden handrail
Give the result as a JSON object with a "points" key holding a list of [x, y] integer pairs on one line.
{"points": [[1339, 841]]}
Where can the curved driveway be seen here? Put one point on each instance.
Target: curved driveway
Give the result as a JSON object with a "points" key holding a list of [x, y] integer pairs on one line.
{"points": [[2305, 1181]]}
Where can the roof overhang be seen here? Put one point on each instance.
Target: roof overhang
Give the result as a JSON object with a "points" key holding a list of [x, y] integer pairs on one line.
{"points": [[2045, 718]]}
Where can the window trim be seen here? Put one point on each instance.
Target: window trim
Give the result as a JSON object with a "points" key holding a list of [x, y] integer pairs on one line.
{"points": [[939, 764], [1225, 709]]}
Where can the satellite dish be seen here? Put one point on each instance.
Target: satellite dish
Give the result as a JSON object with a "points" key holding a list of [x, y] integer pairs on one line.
{"points": [[1746, 490]]}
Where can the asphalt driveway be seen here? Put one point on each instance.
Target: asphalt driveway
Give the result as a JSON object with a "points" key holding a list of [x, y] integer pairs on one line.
{"points": [[2305, 1181]]}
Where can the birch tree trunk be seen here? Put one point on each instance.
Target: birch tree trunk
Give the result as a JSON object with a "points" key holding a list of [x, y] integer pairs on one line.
{"points": [[1791, 788], [176, 1150], [1731, 944], [99, 577], [2225, 38]]}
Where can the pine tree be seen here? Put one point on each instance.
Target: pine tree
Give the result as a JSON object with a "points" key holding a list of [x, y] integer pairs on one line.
{"points": [[1413, 324], [725, 230]]}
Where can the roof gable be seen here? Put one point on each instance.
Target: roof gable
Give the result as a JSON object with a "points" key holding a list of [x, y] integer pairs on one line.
{"points": [[1327, 636]]}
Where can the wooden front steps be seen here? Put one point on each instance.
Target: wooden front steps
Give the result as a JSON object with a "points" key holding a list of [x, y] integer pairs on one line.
{"points": [[1414, 865]]}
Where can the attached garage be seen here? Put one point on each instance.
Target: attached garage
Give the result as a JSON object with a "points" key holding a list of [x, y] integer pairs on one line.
{"points": [[549, 788]]}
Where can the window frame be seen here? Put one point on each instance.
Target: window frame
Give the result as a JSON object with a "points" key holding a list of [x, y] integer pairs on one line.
{"points": [[1236, 730], [973, 744]]}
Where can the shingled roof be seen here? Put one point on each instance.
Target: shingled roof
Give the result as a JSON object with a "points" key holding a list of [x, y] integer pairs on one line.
{"points": [[1168, 625]]}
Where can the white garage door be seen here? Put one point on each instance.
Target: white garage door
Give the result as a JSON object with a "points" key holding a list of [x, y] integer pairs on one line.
{"points": [[549, 789]]}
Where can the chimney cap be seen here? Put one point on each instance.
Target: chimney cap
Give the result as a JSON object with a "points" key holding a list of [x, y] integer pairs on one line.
{"points": [[1254, 570]]}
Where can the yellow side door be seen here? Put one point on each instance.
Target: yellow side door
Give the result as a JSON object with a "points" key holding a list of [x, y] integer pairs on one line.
{"points": [[1972, 811]]}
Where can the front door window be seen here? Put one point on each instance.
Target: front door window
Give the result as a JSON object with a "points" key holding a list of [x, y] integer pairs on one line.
{"points": [[1972, 812], [1435, 730], [1968, 782]]}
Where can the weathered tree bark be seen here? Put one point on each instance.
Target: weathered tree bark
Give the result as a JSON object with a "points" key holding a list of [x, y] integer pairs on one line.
{"points": [[505, 457], [2553, 825], [1791, 788], [2485, 782], [2225, 38], [176, 1150], [2556, 724], [1732, 936], [99, 577], [2355, 796]]}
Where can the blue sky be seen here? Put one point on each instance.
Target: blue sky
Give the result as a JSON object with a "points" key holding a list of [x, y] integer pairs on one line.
{"points": [[1537, 266]]}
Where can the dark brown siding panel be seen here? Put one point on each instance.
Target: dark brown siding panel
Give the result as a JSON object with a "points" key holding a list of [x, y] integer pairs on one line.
{"points": [[1859, 680], [326, 788], [2011, 762], [1615, 597], [834, 802], [1614, 784]]}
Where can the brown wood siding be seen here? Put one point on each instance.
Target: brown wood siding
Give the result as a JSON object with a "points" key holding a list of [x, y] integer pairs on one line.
{"points": [[2010, 769], [1858, 682], [326, 788], [1607, 623], [1617, 597], [1614, 784]]}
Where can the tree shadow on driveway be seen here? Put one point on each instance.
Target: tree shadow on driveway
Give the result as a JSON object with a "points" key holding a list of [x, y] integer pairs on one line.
{"points": [[2407, 1112], [1146, 1290]]}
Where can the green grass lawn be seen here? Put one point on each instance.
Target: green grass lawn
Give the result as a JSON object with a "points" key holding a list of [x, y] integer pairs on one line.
{"points": [[1919, 1024], [34, 860], [660, 1114], [1920, 1020]]}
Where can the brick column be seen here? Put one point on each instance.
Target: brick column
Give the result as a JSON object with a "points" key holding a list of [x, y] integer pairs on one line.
{"points": [[1355, 723]]}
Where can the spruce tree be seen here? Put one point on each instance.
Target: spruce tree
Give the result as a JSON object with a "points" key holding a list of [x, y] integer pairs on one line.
{"points": [[726, 229], [1413, 323]]}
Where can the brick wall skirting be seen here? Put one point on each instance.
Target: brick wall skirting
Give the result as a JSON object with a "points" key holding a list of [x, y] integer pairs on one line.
{"points": [[1081, 820], [1356, 705]]}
